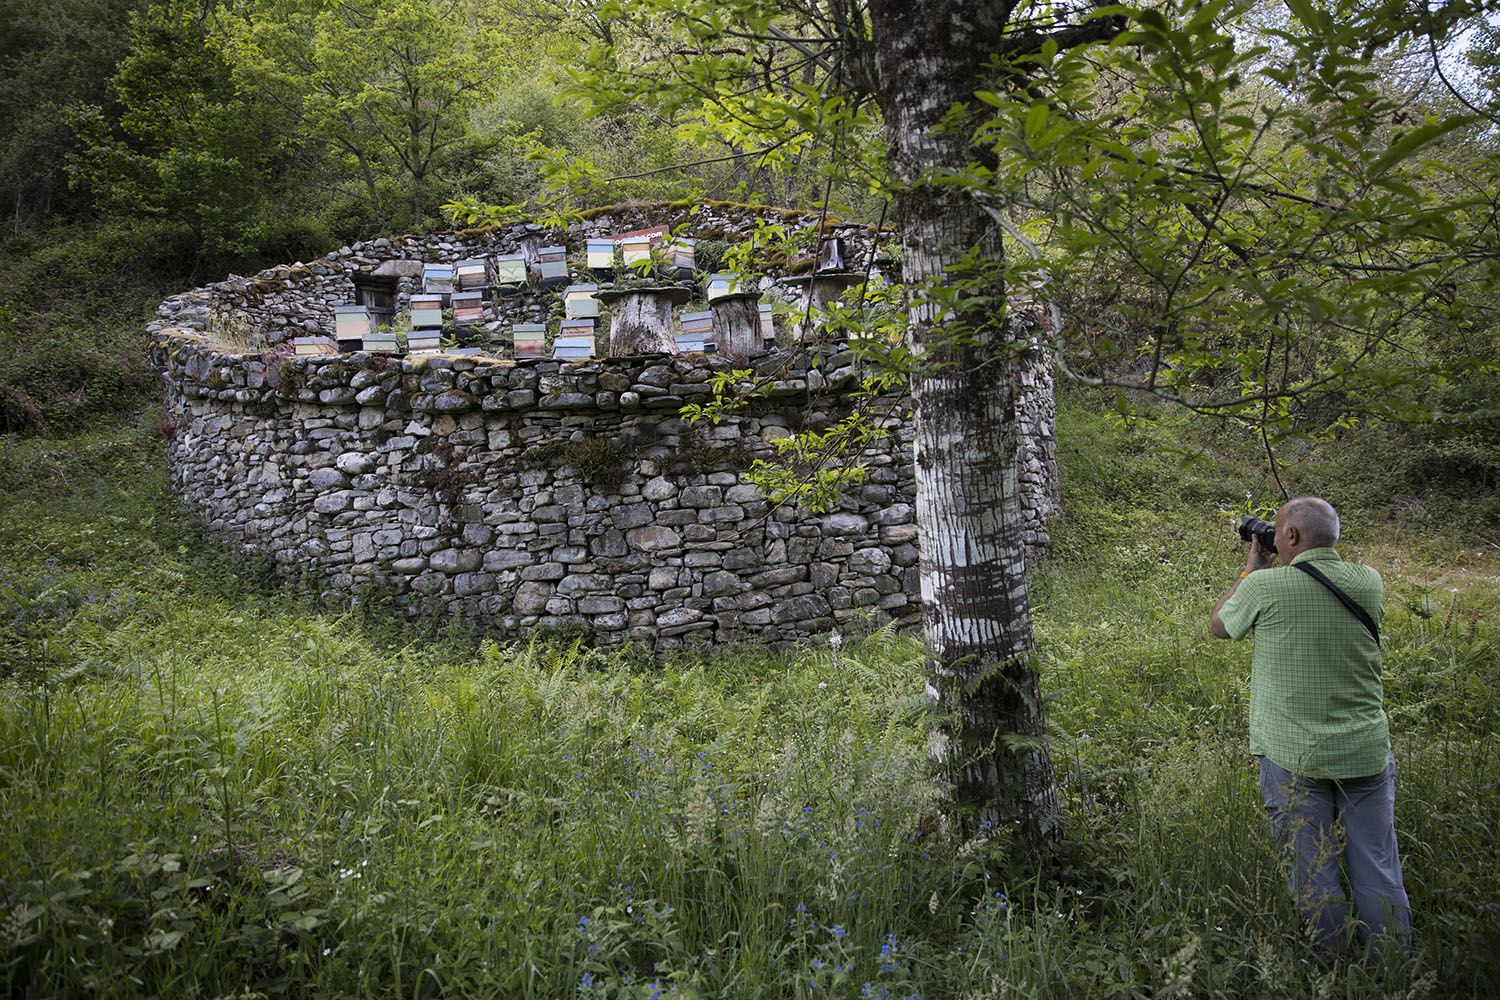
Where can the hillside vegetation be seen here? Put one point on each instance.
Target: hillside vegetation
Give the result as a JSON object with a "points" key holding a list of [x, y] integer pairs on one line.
{"points": [[216, 782], [213, 783]]}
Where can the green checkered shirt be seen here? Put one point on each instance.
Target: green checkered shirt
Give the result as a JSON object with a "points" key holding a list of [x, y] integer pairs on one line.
{"points": [[1315, 694]]}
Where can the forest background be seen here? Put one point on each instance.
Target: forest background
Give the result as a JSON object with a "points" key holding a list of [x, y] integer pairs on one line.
{"points": [[152, 147]]}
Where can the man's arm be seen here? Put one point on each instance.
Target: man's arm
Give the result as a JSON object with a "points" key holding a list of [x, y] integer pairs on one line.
{"points": [[1256, 558]]}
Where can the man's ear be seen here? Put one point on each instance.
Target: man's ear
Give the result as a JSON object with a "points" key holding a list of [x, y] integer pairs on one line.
{"points": [[1293, 535]]}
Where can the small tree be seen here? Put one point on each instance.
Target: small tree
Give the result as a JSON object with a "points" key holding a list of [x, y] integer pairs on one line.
{"points": [[187, 145], [384, 86]]}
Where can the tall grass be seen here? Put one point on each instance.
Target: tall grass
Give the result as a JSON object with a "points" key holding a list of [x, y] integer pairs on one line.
{"points": [[212, 784]]}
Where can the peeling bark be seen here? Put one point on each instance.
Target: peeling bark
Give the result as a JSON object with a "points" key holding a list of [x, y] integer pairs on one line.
{"points": [[737, 324], [641, 323]]}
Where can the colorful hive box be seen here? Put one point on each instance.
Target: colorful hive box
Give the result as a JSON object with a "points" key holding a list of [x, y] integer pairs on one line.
{"points": [[382, 342], [510, 269], [352, 322], [426, 311], [575, 340], [601, 254], [529, 339], [472, 274], [553, 265], [721, 284], [682, 255], [580, 303], [309, 346], [468, 308], [767, 325], [695, 332], [437, 279], [634, 249]]}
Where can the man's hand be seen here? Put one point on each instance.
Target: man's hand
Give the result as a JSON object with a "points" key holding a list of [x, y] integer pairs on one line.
{"points": [[1259, 557]]}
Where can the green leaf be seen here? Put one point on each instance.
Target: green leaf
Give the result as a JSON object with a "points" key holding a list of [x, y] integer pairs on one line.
{"points": [[1309, 15], [1416, 138], [1036, 120]]}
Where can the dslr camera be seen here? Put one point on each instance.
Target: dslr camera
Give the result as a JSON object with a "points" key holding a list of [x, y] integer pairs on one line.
{"points": [[1251, 526]]}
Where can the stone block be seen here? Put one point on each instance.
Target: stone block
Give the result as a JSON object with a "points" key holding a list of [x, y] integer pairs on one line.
{"points": [[780, 576], [654, 538], [468, 584], [498, 559], [719, 583], [477, 534], [844, 524], [743, 558], [354, 463], [582, 583], [457, 560], [901, 513], [659, 489], [678, 617], [664, 577], [633, 515], [798, 609], [532, 598], [429, 584], [327, 479], [333, 503], [701, 496], [898, 534], [453, 401], [869, 562]]}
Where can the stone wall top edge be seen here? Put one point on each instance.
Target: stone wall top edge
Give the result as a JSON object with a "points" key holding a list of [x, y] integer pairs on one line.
{"points": [[200, 368]]}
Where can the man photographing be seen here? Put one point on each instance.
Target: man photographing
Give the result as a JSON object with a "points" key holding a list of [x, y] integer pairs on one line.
{"points": [[1317, 724]]}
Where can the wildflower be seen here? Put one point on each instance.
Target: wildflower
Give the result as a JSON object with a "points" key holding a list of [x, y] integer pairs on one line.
{"points": [[837, 930], [583, 925], [585, 981], [655, 990]]}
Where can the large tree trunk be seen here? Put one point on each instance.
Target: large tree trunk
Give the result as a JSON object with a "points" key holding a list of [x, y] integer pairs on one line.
{"points": [[737, 324], [930, 55], [640, 321]]}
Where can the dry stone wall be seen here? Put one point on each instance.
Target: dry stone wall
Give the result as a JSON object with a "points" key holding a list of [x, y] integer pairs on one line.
{"points": [[537, 493], [532, 494]]}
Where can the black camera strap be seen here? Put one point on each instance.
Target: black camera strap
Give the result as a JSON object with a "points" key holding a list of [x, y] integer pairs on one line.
{"points": [[1344, 599]]}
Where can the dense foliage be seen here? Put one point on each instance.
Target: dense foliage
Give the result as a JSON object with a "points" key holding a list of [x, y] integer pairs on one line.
{"points": [[214, 784]]}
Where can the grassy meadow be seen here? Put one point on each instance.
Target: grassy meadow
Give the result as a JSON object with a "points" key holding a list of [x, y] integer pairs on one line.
{"points": [[215, 783]]}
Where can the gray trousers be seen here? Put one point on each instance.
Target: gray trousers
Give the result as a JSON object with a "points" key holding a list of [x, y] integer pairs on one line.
{"points": [[1320, 821]]}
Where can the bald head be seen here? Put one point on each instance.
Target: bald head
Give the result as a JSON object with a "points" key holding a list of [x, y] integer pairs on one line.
{"points": [[1306, 523]]}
